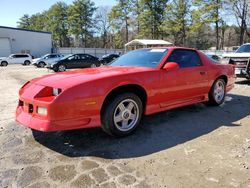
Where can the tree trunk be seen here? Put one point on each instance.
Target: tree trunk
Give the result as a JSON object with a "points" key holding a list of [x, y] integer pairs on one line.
{"points": [[126, 28]]}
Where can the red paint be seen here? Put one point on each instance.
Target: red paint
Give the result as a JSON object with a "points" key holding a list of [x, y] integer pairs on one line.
{"points": [[84, 91]]}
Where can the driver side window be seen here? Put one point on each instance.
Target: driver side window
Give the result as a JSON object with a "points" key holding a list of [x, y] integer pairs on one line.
{"points": [[185, 58]]}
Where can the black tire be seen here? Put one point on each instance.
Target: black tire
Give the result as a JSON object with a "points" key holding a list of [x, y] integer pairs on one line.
{"points": [[108, 116], [41, 64], [4, 63], [60, 68], [93, 65], [26, 62], [213, 100]]}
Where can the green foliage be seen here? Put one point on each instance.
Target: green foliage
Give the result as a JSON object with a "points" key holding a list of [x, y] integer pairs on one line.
{"points": [[24, 22], [193, 23], [80, 19], [178, 20], [57, 23], [152, 18]]}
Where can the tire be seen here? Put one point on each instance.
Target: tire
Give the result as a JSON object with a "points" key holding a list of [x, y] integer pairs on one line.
{"points": [[41, 64], [4, 63], [61, 68], [122, 115], [26, 62], [93, 65], [217, 92]]}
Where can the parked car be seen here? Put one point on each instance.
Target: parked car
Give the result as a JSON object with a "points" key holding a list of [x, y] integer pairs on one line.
{"points": [[46, 59], [108, 58], [241, 59], [75, 61], [115, 97], [214, 57], [24, 59]]}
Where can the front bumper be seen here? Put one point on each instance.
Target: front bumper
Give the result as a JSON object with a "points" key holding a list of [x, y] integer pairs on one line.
{"points": [[42, 124], [242, 67], [58, 113]]}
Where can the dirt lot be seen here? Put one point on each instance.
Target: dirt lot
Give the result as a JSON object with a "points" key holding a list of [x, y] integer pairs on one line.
{"points": [[195, 146]]}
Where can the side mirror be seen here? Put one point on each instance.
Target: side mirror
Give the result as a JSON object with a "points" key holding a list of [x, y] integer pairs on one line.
{"points": [[170, 66]]}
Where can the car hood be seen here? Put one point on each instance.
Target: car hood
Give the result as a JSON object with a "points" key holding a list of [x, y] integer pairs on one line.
{"points": [[247, 55], [36, 59], [71, 78], [3, 57]]}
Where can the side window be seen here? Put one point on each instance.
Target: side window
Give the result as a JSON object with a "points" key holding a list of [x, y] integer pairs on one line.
{"points": [[185, 58], [84, 56], [53, 56]]}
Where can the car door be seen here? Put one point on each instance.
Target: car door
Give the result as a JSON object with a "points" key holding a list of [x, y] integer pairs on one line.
{"points": [[188, 83], [12, 59], [85, 61], [73, 61]]}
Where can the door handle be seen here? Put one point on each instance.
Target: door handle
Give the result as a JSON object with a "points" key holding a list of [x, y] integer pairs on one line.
{"points": [[203, 72]]}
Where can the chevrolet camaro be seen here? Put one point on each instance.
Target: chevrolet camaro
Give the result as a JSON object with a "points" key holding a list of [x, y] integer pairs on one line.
{"points": [[115, 97]]}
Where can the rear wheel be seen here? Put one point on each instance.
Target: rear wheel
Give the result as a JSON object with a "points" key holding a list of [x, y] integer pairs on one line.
{"points": [[61, 68], [41, 64], [122, 115], [217, 93], [26, 62], [4, 63]]}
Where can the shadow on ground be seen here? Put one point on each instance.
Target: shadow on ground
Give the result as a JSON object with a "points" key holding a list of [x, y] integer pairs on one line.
{"points": [[157, 132], [243, 82]]}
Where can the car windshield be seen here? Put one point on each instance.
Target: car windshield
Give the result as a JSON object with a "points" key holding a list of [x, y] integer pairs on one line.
{"points": [[45, 56], [143, 58], [243, 48]]}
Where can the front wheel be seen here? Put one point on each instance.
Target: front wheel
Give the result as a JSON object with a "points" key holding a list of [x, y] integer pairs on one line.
{"points": [[41, 64], [122, 115], [26, 62], [217, 93], [4, 63]]}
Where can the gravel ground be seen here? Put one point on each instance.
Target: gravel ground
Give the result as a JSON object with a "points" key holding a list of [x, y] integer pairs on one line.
{"points": [[194, 146]]}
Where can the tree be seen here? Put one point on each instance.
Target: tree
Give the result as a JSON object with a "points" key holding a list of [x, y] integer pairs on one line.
{"points": [[152, 18], [119, 17], [206, 12], [177, 20], [58, 23], [80, 19], [102, 24], [241, 11], [24, 22]]}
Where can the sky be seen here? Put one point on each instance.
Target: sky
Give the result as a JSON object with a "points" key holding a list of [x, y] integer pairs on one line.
{"points": [[12, 10]]}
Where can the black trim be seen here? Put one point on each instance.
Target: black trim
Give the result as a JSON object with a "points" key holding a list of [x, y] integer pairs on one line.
{"points": [[4, 27]]}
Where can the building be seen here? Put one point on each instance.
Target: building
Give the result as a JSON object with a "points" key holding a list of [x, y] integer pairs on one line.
{"points": [[145, 43], [15, 40]]}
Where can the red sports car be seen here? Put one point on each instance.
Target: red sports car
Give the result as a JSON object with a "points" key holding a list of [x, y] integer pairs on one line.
{"points": [[115, 97]]}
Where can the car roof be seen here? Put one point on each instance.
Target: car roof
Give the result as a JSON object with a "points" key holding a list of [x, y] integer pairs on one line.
{"points": [[169, 47], [19, 54]]}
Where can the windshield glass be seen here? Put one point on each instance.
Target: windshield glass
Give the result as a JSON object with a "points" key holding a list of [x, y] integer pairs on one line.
{"points": [[141, 58], [45, 56], [243, 48]]}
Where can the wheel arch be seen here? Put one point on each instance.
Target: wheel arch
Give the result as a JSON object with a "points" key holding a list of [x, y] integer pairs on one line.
{"points": [[224, 77], [131, 88]]}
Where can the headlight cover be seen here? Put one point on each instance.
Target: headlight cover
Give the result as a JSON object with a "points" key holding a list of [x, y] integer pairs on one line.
{"points": [[56, 91]]}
